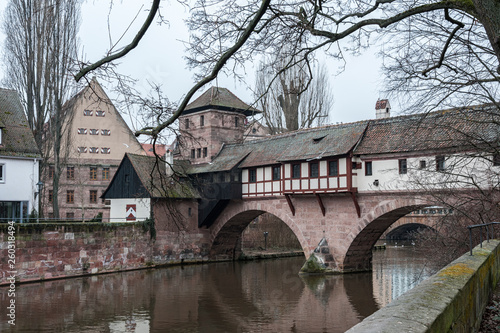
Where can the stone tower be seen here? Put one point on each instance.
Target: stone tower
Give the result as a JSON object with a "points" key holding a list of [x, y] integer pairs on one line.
{"points": [[214, 118]]}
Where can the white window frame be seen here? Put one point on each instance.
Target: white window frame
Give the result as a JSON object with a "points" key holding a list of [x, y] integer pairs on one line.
{"points": [[2, 173]]}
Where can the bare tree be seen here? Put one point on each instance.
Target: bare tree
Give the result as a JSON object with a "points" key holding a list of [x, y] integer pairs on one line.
{"points": [[40, 50], [292, 99], [227, 34]]}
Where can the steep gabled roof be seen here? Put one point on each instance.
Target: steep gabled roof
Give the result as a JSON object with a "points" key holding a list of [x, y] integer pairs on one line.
{"points": [[153, 179], [219, 99], [459, 129], [17, 137]]}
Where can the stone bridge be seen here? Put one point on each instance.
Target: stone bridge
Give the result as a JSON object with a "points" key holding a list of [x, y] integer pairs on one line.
{"points": [[350, 236]]}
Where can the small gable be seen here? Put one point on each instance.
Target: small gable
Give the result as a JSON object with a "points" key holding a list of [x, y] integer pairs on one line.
{"points": [[125, 183]]}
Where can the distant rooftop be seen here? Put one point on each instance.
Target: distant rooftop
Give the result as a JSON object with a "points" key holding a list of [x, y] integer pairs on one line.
{"points": [[220, 99]]}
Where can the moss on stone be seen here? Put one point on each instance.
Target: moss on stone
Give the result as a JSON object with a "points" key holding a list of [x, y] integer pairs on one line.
{"points": [[313, 265]]}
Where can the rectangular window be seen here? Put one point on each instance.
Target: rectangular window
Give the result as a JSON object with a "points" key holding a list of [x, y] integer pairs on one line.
{"points": [[2, 173], [51, 196], [100, 113], [93, 173], [186, 123], [94, 150], [193, 153], [403, 169], [70, 216], [106, 132], [82, 149], [314, 170], [333, 168], [51, 171], [70, 196], [70, 172], [496, 159], [93, 196], [236, 121], [368, 168], [105, 150], [82, 131], [252, 175], [205, 152], [198, 152], [94, 131], [423, 164], [295, 170], [276, 172], [202, 121], [105, 173], [440, 166], [87, 113], [1, 129]]}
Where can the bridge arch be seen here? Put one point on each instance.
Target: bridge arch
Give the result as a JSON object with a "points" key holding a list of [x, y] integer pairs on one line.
{"points": [[226, 231], [358, 256]]}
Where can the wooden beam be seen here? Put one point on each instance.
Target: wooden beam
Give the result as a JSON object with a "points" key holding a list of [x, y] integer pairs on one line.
{"points": [[321, 204], [356, 204], [290, 203]]}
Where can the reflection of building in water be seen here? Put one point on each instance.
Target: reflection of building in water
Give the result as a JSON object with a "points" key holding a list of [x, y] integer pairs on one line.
{"points": [[395, 271]]}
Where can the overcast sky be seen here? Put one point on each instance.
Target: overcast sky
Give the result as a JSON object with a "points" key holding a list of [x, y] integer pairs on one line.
{"points": [[159, 57]]}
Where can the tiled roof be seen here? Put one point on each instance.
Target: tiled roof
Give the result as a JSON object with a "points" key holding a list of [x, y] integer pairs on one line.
{"points": [[220, 99], [299, 145], [160, 149], [17, 137], [381, 104], [459, 129], [152, 174]]}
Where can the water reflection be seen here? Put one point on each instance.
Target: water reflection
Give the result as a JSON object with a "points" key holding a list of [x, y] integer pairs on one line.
{"points": [[264, 296]]}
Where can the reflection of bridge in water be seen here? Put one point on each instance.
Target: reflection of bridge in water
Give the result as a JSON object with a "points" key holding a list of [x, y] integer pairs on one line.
{"points": [[264, 296]]}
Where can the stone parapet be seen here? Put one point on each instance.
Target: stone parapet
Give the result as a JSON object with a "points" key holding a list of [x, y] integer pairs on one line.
{"points": [[452, 300]]}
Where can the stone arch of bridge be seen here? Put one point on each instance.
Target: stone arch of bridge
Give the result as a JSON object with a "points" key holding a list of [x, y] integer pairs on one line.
{"points": [[226, 232], [406, 230], [358, 256]]}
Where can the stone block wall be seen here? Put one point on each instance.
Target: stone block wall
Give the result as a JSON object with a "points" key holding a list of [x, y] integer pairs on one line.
{"points": [[59, 250]]}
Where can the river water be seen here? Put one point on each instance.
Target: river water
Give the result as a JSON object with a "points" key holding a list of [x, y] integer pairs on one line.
{"points": [[255, 296]]}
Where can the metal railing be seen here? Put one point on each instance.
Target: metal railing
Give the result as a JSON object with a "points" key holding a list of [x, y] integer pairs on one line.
{"points": [[69, 220], [480, 226]]}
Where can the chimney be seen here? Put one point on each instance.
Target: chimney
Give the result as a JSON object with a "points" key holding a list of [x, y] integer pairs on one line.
{"points": [[383, 109], [169, 161]]}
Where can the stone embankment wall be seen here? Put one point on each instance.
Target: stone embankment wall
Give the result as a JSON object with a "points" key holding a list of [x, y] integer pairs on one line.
{"points": [[49, 251], [452, 300]]}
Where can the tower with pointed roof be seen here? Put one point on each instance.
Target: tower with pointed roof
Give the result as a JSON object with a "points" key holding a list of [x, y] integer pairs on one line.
{"points": [[214, 118]]}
